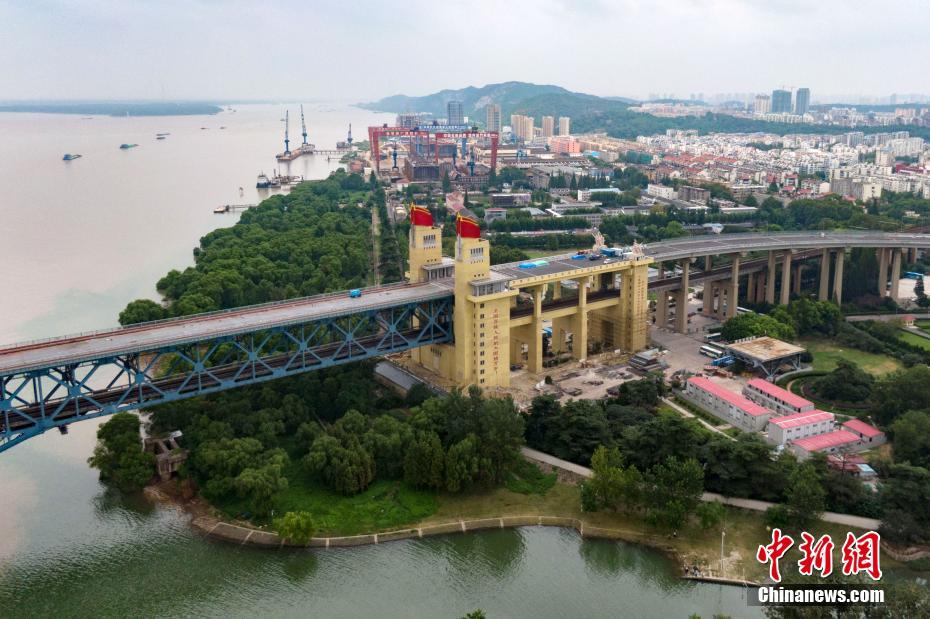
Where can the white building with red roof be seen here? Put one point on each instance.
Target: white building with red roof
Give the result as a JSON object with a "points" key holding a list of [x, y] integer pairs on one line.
{"points": [[772, 396], [727, 405], [869, 435], [828, 443], [799, 425]]}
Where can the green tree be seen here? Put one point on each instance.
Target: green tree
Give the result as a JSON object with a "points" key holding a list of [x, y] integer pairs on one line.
{"points": [[297, 527], [896, 393], [905, 495], [462, 464], [676, 488], [911, 438], [710, 514], [424, 461], [606, 479], [805, 495], [446, 183], [846, 383], [119, 456], [141, 310], [346, 466], [754, 325]]}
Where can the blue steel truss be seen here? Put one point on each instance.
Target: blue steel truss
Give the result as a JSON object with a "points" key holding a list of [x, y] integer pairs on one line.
{"points": [[37, 400]]}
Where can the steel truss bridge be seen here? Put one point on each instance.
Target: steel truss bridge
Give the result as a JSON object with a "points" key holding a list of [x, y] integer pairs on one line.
{"points": [[52, 383]]}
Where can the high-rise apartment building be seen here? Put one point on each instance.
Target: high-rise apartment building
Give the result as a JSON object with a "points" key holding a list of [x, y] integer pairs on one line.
{"points": [[564, 128], [763, 104], [454, 113], [522, 127], [493, 113], [781, 102], [548, 126], [802, 101]]}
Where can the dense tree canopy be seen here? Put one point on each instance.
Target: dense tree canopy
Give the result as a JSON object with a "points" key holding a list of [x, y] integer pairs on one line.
{"points": [[119, 455]]}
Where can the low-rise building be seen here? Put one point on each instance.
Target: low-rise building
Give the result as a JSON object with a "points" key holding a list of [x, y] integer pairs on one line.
{"points": [[829, 443], [727, 405], [869, 435], [799, 425], [661, 191], [773, 397]]}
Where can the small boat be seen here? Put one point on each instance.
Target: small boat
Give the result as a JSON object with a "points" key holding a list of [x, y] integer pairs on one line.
{"points": [[223, 127], [161, 134], [204, 128], [221, 210], [266, 183], [70, 157], [127, 146], [159, 137]]}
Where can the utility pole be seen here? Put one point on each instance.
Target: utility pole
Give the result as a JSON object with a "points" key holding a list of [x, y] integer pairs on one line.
{"points": [[723, 534]]}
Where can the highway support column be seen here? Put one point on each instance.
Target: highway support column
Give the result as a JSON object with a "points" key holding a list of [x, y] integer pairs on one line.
{"points": [[681, 300], [786, 278], [733, 287], [838, 276], [895, 273], [882, 271], [579, 321], [824, 292], [770, 280]]}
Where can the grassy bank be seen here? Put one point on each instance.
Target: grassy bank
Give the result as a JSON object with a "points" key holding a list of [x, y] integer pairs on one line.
{"points": [[827, 354], [391, 505], [915, 340]]}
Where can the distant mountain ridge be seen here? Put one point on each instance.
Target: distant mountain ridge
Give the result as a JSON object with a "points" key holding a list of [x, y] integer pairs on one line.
{"points": [[536, 99]]}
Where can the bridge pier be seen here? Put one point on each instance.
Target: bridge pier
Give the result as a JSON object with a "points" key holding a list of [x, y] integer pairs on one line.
{"points": [[579, 322], [824, 291], [838, 276], [786, 278], [751, 288], [882, 254], [895, 273], [733, 287], [681, 300], [770, 280]]}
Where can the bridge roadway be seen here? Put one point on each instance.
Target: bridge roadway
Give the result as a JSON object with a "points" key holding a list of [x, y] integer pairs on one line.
{"points": [[154, 335], [149, 336]]}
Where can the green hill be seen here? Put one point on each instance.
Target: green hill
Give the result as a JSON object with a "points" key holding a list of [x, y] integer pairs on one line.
{"points": [[537, 99]]}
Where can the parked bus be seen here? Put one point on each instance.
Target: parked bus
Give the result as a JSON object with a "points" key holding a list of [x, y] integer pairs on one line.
{"points": [[744, 310], [711, 351], [913, 275], [713, 337]]}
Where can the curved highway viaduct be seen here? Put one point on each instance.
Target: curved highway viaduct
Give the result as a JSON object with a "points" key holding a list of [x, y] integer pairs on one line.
{"points": [[460, 317]]}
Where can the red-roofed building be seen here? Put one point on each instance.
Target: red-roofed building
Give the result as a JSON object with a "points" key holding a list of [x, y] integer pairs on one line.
{"points": [[828, 443], [869, 435], [772, 396], [727, 405], [799, 425]]}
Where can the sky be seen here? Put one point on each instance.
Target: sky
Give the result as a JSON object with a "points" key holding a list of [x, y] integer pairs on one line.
{"points": [[359, 50]]}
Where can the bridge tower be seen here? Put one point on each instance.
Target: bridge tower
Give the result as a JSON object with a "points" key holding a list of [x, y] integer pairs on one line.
{"points": [[481, 319]]}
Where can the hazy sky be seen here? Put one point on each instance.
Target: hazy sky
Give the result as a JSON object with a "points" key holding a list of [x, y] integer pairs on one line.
{"points": [[359, 49]]}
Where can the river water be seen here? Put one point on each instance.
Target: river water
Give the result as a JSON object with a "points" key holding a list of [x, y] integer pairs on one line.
{"points": [[81, 239]]}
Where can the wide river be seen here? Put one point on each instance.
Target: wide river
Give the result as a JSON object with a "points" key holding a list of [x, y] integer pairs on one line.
{"points": [[82, 238]]}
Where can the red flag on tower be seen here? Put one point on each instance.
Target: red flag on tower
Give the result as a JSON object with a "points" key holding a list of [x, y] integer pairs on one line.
{"points": [[420, 216], [467, 226]]}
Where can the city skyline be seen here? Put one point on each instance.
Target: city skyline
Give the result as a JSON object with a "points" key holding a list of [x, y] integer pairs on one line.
{"points": [[120, 51]]}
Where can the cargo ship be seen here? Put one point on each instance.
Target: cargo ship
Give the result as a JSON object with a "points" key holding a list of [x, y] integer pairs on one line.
{"points": [[70, 157]]}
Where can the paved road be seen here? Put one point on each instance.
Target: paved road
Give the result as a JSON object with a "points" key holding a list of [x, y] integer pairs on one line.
{"points": [[759, 506], [154, 335], [69, 349]]}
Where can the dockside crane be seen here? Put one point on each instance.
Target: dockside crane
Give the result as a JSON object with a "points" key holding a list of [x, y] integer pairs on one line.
{"points": [[349, 138], [303, 125], [287, 141]]}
